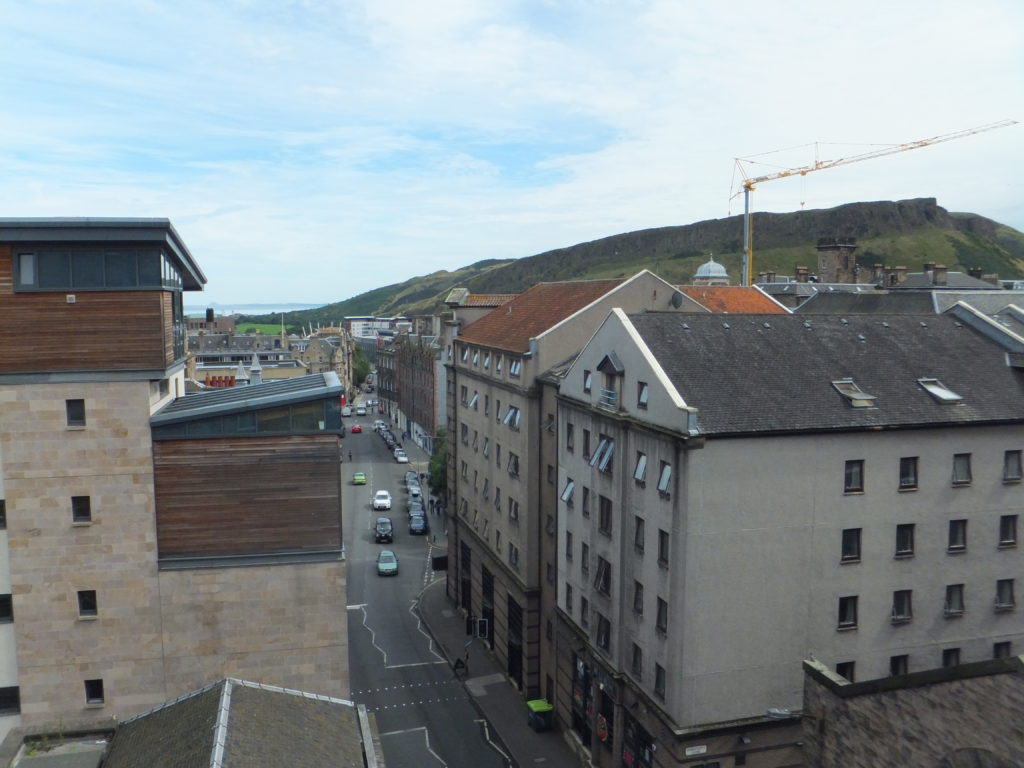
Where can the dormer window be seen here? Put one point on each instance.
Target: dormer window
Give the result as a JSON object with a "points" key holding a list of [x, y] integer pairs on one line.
{"points": [[514, 367], [476, 356], [465, 354], [854, 395], [940, 391], [487, 360]]}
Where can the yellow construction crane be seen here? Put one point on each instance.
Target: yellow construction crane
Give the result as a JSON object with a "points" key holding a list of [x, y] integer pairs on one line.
{"points": [[749, 184]]}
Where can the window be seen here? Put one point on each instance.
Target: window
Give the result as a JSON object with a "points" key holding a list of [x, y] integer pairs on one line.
{"points": [[662, 621], [476, 356], [1004, 595], [6, 609], [1001, 650], [568, 545], [513, 464], [1012, 467], [940, 392], [514, 367], [570, 437], [588, 381], [497, 454], [474, 400], [586, 444], [476, 479], [567, 491], [847, 612], [851, 546], [465, 354], [659, 681], [855, 396], [664, 477], [957, 535], [550, 527], [905, 540], [550, 570], [643, 392], [497, 363], [464, 434], [487, 405], [3, 514], [513, 555], [568, 598], [551, 474], [584, 612], [908, 473], [604, 517], [902, 608], [1008, 531], [463, 395], [640, 472], [636, 666], [464, 471], [81, 509], [75, 412], [513, 509], [476, 439], [94, 691], [497, 410], [10, 700], [662, 547], [584, 558], [87, 603], [854, 477], [950, 657], [586, 502], [487, 447], [497, 498], [512, 417], [847, 669], [954, 605], [487, 488], [603, 577], [487, 360], [604, 633], [899, 665], [961, 469], [638, 533], [638, 597]]}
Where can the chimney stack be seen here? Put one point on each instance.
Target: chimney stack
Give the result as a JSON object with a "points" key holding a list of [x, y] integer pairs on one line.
{"points": [[939, 273], [209, 314], [801, 274], [976, 272]]}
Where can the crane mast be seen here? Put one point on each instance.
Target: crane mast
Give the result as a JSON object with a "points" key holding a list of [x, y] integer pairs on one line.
{"points": [[749, 184]]}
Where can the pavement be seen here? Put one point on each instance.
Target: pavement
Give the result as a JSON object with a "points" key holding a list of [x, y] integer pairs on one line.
{"points": [[499, 701]]}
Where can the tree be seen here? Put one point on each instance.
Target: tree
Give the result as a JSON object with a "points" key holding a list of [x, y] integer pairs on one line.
{"points": [[438, 479], [360, 367]]}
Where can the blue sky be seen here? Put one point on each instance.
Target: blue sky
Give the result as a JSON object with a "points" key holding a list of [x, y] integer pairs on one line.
{"points": [[310, 150]]}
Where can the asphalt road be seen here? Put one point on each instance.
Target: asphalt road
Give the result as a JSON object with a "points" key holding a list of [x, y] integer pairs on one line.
{"points": [[424, 715]]}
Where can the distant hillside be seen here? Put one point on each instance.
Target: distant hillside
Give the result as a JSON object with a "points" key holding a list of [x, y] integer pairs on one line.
{"points": [[903, 233]]}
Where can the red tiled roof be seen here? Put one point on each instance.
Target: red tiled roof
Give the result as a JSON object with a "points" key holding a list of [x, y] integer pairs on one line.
{"points": [[512, 325], [487, 299], [732, 299]]}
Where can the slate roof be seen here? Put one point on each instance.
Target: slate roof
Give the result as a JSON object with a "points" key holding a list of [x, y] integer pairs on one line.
{"points": [[877, 302], [990, 302], [752, 374], [734, 299], [317, 386], [513, 324], [257, 725], [922, 281]]}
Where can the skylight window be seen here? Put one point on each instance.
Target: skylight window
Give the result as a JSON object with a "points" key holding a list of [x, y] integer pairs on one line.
{"points": [[856, 396], [940, 391]]}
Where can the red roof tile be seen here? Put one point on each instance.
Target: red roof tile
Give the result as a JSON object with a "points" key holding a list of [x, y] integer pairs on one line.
{"points": [[732, 299], [513, 324]]}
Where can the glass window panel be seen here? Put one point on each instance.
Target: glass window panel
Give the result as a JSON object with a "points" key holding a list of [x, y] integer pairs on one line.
{"points": [[149, 269], [54, 270], [26, 269], [272, 420], [87, 269], [120, 267], [307, 417]]}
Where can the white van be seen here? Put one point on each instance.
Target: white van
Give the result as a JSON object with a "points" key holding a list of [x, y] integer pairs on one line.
{"points": [[346, 411]]}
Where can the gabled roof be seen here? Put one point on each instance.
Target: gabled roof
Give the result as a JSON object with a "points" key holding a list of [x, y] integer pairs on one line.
{"points": [[752, 374], [317, 386], [734, 299], [238, 723], [514, 323], [877, 302]]}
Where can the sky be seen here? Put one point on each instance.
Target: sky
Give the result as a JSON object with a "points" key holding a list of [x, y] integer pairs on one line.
{"points": [[310, 150]]}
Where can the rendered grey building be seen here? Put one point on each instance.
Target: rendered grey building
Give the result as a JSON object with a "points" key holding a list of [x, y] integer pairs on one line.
{"points": [[501, 480], [737, 493]]}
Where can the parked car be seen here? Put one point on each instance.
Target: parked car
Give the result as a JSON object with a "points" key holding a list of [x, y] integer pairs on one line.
{"points": [[360, 410], [356, 429], [387, 563], [411, 478], [401, 457], [382, 500], [415, 492], [359, 478], [415, 507], [384, 531], [346, 411], [418, 525]]}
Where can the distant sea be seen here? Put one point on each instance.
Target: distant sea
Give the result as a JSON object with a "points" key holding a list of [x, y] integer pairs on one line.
{"points": [[196, 310]]}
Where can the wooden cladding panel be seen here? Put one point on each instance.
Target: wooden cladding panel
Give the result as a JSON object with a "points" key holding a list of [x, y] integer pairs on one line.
{"points": [[6, 269], [115, 330], [239, 496]]}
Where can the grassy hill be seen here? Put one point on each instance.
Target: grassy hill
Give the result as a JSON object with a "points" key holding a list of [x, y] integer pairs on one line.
{"points": [[901, 233]]}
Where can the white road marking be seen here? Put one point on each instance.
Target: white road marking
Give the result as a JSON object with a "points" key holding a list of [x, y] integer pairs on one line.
{"points": [[426, 740], [495, 747]]}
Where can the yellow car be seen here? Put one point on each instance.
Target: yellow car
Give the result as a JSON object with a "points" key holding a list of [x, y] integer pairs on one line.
{"points": [[359, 478]]}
